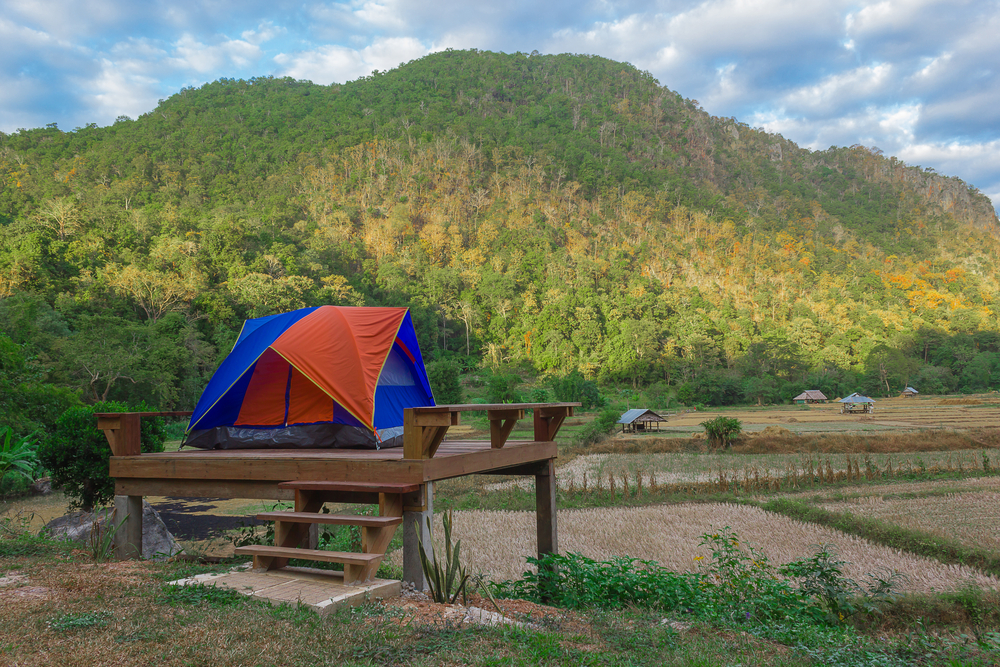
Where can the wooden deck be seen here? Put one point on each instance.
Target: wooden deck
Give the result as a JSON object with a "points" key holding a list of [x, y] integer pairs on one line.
{"points": [[426, 456], [255, 473]]}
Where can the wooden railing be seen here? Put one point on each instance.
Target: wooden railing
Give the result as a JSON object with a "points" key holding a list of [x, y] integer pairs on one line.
{"points": [[425, 428], [122, 429]]}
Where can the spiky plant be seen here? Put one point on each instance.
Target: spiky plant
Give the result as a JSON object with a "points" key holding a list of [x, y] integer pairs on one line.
{"points": [[452, 577]]}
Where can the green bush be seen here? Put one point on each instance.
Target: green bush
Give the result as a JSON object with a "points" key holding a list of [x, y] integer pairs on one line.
{"points": [[721, 431], [596, 430], [502, 388], [574, 387], [736, 584], [77, 454], [443, 376]]}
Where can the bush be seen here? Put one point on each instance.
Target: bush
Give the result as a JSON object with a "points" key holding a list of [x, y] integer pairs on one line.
{"points": [[443, 376], [721, 431], [77, 454], [596, 430], [502, 388], [574, 387]]}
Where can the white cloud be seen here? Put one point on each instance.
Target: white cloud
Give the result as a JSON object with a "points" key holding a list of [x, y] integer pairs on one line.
{"points": [[330, 64], [190, 54]]}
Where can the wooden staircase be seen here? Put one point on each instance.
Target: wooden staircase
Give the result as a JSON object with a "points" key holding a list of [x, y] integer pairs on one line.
{"points": [[291, 528]]}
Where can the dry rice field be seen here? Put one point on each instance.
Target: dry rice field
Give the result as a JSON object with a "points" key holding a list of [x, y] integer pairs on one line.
{"points": [[601, 471], [495, 543], [970, 518], [891, 414]]}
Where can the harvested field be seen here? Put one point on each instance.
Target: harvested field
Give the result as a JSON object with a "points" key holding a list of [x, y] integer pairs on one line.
{"points": [[908, 488], [496, 543], [971, 517], [717, 471], [891, 414]]}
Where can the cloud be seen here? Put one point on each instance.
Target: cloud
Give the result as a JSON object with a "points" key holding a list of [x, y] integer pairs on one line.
{"points": [[330, 64]]}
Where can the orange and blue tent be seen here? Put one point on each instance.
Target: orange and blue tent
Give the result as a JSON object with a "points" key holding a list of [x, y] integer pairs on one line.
{"points": [[314, 377]]}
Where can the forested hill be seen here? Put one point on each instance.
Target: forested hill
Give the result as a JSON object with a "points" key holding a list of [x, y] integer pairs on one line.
{"points": [[547, 212]]}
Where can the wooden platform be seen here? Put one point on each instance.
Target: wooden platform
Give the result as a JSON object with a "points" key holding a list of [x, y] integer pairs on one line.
{"points": [[320, 590], [256, 473], [401, 477]]}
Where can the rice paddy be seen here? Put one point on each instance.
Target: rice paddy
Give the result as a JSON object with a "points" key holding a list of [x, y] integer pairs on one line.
{"points": [[495, 543], [971, 517]]}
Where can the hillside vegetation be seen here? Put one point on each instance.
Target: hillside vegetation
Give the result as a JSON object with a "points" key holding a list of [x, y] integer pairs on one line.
{"points": [[540, 213]]}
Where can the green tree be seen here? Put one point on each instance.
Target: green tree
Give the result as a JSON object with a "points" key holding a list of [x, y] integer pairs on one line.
{"points": [[77, 455], [444, 379]]}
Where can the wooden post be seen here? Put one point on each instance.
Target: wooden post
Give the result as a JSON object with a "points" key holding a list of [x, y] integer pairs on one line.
{"points": [[418, 507], [545, 511], [128, 539]]}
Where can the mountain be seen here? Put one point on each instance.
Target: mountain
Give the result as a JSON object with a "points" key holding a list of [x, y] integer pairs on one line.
{"points": [[544, 213]]}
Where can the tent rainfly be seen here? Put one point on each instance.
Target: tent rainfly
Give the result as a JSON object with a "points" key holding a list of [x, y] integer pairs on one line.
{"points": [[328, 376], [811, 396], [857, 403], [639, 419]]}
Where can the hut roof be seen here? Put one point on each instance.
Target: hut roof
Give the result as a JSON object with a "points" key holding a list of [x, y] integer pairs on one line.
{"points": [[640, 414], [810, 395], [856, 398], [910, 390]]}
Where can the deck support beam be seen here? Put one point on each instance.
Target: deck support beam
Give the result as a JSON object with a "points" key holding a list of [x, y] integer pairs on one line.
{"points": [[128, 538], [418, 508], [545, 512]]}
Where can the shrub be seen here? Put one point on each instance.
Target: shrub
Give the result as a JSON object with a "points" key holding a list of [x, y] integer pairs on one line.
{"points": [[502, 388], [77, 454], [596, 430], [574, 387], [443, 376], [721, 431]]}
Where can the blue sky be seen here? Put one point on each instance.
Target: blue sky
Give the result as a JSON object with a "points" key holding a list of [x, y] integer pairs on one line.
{"points": [[919, 79]]}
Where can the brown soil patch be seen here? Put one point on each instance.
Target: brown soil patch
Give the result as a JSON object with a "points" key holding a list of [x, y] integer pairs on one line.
{"points": [[418, 609]]}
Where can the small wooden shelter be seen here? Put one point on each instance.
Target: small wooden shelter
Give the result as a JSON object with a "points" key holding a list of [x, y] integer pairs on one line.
{"points": [[810, 396], [909, 392], [640, 419], [857, 404]]}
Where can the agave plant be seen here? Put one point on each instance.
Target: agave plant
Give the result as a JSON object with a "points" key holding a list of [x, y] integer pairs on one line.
{"points": [[17, 456], [452, 577]]}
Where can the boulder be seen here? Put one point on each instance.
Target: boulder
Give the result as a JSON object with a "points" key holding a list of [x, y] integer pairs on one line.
{"points": [[157, 542]]}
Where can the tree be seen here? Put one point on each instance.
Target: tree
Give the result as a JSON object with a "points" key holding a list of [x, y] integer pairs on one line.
{"points": [[105, 351], [155, 292], [443, 376], [77, 455], [722, 431]]}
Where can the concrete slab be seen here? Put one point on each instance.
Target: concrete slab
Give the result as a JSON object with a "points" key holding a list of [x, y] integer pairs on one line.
{"points": [[320, 590]]}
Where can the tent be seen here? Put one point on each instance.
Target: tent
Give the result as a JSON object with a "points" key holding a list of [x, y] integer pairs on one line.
{"points": [[328, 376]]}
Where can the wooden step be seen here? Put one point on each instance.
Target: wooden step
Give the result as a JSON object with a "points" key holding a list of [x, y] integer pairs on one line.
{"points": [[332, 519], [345, 557], [360, 487]]}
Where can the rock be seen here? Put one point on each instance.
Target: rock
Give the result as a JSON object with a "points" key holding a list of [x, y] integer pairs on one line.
{"points": [[157, 542], [42, 487]]}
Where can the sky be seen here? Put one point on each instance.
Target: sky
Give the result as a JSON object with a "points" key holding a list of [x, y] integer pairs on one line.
{"points": [[919, 79]]}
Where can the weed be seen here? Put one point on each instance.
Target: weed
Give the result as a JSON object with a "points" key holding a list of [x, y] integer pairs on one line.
{"points": [[201, 594], [68, 622]]}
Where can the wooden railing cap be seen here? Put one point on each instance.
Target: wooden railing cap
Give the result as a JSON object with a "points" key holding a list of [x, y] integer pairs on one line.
{"points": [[176, 413], [471, 407]]}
